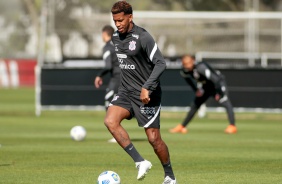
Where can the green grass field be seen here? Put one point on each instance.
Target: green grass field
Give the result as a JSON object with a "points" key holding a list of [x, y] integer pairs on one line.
{"points": [[39, 149]]}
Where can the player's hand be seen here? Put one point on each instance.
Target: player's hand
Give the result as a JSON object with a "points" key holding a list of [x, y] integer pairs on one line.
{"points": [[144, 96], [199, 92], [98, 82], [217, 97]]}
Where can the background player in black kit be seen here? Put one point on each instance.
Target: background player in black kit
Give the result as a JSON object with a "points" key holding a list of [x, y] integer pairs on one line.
{"points": [[139, 94], [206, 82], [112, 67]]}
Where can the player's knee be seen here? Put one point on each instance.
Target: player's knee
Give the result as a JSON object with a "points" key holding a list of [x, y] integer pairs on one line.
{"points": [[155, 141], [109, 122]]}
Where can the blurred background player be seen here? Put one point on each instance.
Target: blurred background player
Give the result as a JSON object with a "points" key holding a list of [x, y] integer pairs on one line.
{"points": [[202, 111], [112, 67], [206, 82]]}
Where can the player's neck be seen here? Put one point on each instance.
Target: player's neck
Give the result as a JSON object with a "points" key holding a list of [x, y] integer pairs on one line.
{"points": [[131, 24]]}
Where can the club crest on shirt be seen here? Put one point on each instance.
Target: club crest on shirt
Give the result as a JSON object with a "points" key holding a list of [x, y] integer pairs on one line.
{"points": [[132, 45], [196, 74]]}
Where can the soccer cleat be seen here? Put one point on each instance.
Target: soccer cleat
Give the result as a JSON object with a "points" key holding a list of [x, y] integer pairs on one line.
{"points": [[143, 168], [168, 180], [112, 140], [231, 129], [178, 129]]}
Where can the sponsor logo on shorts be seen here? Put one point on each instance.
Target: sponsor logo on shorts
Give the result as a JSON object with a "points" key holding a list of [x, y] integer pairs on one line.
{"points": [[147, 111]]}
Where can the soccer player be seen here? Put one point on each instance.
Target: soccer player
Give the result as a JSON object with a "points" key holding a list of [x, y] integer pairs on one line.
{"points": [[139, 94], [112, 67], [206, 82]]}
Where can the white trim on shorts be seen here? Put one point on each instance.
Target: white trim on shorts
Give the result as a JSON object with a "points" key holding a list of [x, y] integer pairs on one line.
{"points": [[153, 119]]}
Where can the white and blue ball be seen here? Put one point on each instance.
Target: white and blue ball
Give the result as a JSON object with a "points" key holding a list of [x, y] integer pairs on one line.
{"points": [[78, 133], [108, 177]]}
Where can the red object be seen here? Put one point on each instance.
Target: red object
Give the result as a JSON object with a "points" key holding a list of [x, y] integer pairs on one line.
{"points": [[19, 72]]}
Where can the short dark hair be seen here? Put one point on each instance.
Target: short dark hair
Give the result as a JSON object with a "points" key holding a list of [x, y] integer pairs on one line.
{"points": [[122, 6], [189, 55], [108, 29]]}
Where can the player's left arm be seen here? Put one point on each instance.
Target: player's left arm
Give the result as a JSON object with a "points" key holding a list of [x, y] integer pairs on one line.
{"points": [[150, 46], [154, 54]]}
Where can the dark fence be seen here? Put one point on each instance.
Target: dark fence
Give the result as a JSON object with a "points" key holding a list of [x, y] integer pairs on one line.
{"points": [[249, 88]]}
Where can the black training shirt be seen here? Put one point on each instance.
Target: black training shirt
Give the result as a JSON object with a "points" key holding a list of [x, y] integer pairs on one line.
{"points": [[140, 60], [206, 76]]}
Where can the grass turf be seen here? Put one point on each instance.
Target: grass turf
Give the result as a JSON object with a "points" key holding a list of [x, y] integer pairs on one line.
{"points": [[40, 150]]}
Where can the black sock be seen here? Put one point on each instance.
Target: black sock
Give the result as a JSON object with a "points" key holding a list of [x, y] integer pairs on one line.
{"points": [[168, 170], [130, 149]]}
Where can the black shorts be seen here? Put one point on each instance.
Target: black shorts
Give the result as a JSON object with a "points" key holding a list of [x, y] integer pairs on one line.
{"points": [[111, 90], [147, 115]]}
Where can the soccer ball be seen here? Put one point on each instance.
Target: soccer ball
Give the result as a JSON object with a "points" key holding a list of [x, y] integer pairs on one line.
{"points": [[78, 133], [108, 177]]}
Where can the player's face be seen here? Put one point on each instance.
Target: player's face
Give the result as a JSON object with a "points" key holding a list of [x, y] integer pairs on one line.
{"points": [[188, 63], [122, 22], [105, 36]]}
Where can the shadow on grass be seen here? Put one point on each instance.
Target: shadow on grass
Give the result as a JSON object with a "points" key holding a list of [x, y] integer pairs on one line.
{"points": [[4, 165], [138, 139]]}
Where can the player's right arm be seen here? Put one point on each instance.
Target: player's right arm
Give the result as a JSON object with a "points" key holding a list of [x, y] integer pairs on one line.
{"points": [[98, 81], [108, 61], [191, 81]]}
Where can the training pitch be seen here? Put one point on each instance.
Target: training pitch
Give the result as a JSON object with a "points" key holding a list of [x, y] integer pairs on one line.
{"points": [[37, 150]]}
